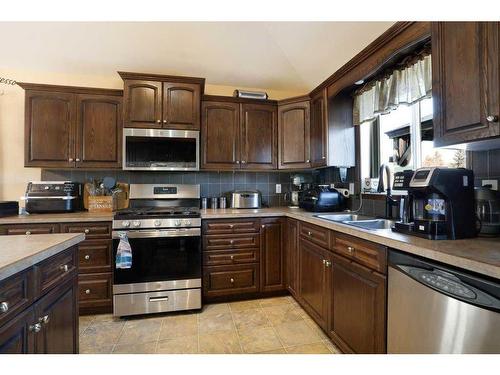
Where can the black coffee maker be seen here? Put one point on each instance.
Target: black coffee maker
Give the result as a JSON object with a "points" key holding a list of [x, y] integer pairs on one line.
{"points": [[442, 201]]}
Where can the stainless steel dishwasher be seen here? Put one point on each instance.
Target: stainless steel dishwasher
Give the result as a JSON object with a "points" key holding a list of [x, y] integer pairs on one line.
{"points": [[434, 308]]}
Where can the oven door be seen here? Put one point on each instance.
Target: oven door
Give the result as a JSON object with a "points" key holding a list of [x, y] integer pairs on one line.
{"points": [[161, 150], [161, 260]]}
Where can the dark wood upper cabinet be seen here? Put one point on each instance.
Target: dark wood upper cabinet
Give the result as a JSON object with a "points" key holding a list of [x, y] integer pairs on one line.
{"points": [[161, 101], [99, 131], [259, 132], [220, 135], [72, 127], [181, 106], [319, 125], [142, 104], [272, 273], [465, 87], [49, 128], [314, 280], [358, 312], [292, 256], [294, 135]]}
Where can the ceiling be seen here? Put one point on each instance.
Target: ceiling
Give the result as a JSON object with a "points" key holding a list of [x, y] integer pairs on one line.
{"points": [[271, 55]]}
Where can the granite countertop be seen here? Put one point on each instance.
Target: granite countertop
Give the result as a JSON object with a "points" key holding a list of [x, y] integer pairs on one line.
{"points": [[18, 253], [481, 255], [71, 217]]}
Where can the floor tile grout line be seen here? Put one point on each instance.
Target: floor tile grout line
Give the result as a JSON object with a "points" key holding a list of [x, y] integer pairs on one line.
{"points": [[236, 329]]}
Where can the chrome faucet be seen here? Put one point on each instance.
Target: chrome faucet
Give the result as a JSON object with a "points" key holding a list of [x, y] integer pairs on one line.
{"points": [[389, 200]]}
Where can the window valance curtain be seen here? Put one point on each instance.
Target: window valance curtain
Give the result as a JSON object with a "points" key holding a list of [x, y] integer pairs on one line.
{"points": [[410, 82]]}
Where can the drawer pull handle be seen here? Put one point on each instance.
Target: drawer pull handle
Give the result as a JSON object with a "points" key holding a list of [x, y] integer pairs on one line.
{"points": [[232, 280], [263, 226], [231, 242], [44, 319], [328, 263], [28, 232], [35, 327], [87, 291], [4, 307], [86, 231], [87, 257], [324, 261], [64, 268], [350, 249], [158, 299], [231, 257], [309, 234], [231, 226]]}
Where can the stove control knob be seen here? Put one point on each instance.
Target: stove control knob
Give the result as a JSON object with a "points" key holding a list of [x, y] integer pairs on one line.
{"points": [[125, 223], [136, 223], [187, 223], [157, 223], [177, 223]]}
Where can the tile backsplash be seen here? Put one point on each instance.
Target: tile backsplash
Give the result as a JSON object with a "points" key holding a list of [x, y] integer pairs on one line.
{"points": [[212, 184]]}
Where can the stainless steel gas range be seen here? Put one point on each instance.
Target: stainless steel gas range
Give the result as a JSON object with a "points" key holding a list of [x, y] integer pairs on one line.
{"points": [[163, 227]]}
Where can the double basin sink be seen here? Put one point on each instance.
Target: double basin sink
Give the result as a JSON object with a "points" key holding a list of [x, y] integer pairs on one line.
{"points": [[363, 222]]}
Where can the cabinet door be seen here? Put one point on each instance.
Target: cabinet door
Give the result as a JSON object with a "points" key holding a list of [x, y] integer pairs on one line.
{"points": [[142, 104], [17, 336], [314, 284], [220, 124], [49, 129], [292, 256], [358, 313], [318, 129], [272, 258], [181, 106], [259, 131], [465, 87], [99, 131], [58, 314], [294, 136]]}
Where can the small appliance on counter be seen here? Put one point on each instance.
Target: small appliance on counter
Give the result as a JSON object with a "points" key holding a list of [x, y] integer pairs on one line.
{"points": [[488, 210], [322, 198], [245, 199], [9, 208], [442, 204], [53, 197]]}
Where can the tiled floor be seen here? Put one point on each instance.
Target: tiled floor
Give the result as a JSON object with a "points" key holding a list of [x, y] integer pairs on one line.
{"points": [[271, 325]]}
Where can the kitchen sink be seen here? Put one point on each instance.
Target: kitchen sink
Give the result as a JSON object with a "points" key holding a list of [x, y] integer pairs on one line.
{"points": [[342, 217], [370, 224]]}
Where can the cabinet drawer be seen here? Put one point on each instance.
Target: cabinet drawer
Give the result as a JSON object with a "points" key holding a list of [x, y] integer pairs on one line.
{"points": [[364, 252], [20, 229], [224, 280], [95, 256], [231, 241], [91, 230], [16, 293], [222, 257], [231, 226], [95, 290], [315, 234], [55, 270]]}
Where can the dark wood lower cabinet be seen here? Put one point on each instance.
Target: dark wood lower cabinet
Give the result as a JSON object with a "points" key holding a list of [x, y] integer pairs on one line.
{"points": [[272, 275], [16, 337], [314, 280], [358, 314]]}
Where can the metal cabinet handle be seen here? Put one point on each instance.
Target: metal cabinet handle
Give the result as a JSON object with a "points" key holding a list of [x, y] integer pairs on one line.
{"points": [[323, 157], [77, 159], [64, 268], [86, 231], [243, 162], [164, 121], [158, 121], [87, 257], [231, 242], [87, 291], [44, 319], [231, 226], [71, 160], [308, 161], [309, 234], [4, 307], [232, 280], [328, 263], [263, 225], [231, 257], [35, 327], [492, 118], [237, 162], [350, 249], [28, 232], [324, 261]]}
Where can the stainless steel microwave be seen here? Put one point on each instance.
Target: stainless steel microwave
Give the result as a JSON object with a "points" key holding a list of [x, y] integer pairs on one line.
{"points": [[161, 150]]}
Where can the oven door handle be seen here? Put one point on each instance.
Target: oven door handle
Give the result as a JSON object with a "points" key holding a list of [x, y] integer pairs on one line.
{"points": [[158, 299], [184, 232]]}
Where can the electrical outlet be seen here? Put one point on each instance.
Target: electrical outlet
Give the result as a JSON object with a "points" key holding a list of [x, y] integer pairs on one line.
{"points": [[351, 188], [493, 183], [278, 188]]}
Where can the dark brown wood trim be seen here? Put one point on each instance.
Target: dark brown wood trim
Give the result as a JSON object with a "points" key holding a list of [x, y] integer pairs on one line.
{"points": [[232, 99], [295, 99], [70, 89], [377, 44], [162, 78]]}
